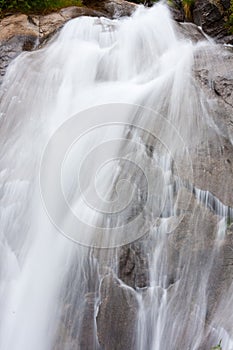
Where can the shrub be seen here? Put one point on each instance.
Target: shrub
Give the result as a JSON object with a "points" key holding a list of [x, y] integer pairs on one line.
{"points": [[218, 347], [35, 5], [230, 20], [188, 7]]}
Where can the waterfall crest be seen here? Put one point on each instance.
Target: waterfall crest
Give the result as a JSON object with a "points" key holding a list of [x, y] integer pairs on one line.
{"points": [[144, 266]]}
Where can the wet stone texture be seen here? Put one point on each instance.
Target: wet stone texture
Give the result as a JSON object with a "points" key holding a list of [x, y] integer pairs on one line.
{"points": [[213, 158], [211, 15], [117, 315], [108, 326], [133, 265]]}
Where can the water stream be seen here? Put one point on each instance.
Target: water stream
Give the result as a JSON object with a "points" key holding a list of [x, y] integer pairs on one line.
{"points": [[138, 118]]}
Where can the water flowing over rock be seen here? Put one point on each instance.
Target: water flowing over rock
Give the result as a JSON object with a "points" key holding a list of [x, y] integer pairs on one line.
{"points": [[139, 254], [211, 15], [17, 34], [114, 320], [24, 33], [112, 8]]}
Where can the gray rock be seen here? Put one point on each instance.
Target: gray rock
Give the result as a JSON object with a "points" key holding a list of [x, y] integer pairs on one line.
{"points": [[18, 24], [117, 316], [177, 10], [17, 34], [112, 8], [210, 15], [13, 47], [133, 265], [190, 31], [119, 8], [49, 24], [213, 70]]}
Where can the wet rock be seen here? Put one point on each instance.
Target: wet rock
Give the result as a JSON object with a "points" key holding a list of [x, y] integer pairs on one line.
{"points": [[119, 8], [117, 316], [213, 169], [112, 8], [191, 32], [13, 47], [186, 235], [214, 74], [178, 15], [75, 11], [194, 242], [177, 10], [224, 87], [20, 32], [221, 276], [17, 34], [50, 23], [214, 172], [77, 328], [87, 338], [17, 25], [211, 16], [133, 265]]}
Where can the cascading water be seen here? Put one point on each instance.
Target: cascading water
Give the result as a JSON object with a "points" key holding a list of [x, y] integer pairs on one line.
{"points": [[140, 119]]}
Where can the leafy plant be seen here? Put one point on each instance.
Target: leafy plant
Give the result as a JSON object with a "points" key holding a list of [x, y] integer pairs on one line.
{"points": [[230, 20], [34, 6], [144, 2], [229, 221], [218, 347], [188, 7]]}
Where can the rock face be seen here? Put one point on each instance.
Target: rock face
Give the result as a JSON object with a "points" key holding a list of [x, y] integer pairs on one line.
{"points": [[115, 325], [215, 78], [24, 33], [17, 33], [133, 265], [49, 24], [177, 10], [112, 8], [212, 17], [213, 71]]}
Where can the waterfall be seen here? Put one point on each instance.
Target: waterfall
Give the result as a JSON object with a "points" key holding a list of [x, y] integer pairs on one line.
{"points": [[108, 241]]}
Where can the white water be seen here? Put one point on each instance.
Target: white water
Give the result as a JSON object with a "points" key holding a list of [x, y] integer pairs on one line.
{"points": [[45, 277]]}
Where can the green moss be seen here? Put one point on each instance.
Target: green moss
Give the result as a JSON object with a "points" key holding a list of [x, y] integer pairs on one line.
{"points": [[218, 347], [229, 221], [144, 2], [230, 20], [188, 7], [188, 2], [35, 6]]}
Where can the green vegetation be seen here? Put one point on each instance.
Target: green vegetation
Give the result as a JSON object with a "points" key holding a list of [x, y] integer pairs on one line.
{"points": [[144, 2], [230, 21], [188, 7], [218, 347], [229, 221], [45, 6], [35, 6]]}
